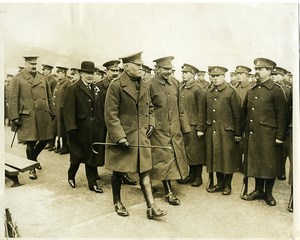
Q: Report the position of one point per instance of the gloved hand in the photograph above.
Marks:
(278, 141)
(123, 143)
(237, 138)
(199, 134)
(150, 131)
(73, 134)
(17, 123)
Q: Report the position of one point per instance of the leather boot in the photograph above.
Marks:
(227, 188)
(198, 176)
(116, 190)
(220, 184)
(170, 197)
(153, 212)
(290, 205)
(270, 200)
(127, 180)
(189, 178)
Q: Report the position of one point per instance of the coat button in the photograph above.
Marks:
(256, 97)
(214, 110)
(36, 110)
(140, 115)
(214, 131)
(251, 132)
(34, 98)
(46, 110)
(259, 86)
(215, 99)
(253, 109)
(214, 121)
(251, 120)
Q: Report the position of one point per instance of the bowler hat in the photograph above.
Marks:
(87, 66)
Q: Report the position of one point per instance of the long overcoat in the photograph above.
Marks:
(193, 101)
(35, 95)
(290, 135)
(264, 118)
(58, 98)
(243, 88)
(223, 122)
(128, 113)
(82, 113)
(171, 123)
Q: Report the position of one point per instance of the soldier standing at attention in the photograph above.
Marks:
(193, 100)
(31, 109)
(243, 84)
(201, 79)
(264, 117)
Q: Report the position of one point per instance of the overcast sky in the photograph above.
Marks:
(202, 34)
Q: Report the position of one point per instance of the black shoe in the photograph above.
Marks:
(96, 189)
(154, 212)
(197, 182)
(127, 180)
(64, 151)
(188, 179)
(216, 188)
(47, 146)
(32, 174)
(58, 150)
(254, 195)
(51, 148)
(72, 183)
(39, 167)
(227, 191)
(172, 199)
(270, 200)
(282, 177)
(121, 210)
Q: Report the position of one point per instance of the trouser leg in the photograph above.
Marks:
(91, 175)
(30, 150)
(220, 179)
(259, 184)
(40, 145)
(73, 170)
(269, 185)
(116, 186)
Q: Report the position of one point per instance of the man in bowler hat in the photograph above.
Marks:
(84, 125)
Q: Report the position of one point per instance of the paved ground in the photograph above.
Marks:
(49, 208)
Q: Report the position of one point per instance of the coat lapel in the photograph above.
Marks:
(143, 88)
(128, 86)
(84, 88)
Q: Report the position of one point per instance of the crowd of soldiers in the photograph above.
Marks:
(135, 119)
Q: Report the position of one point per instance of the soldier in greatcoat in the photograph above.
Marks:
(290, 207)
(264, 119)
(243, 85)
(193, 100)
(47, 69)
(31, 109)
(201, 79)
(130, 120)
(84, 125)
(171, 123)
(223, 130)
(58, 98)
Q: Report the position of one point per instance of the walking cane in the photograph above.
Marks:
(141, 146)
(12, 142)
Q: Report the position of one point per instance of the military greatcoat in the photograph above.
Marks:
(243, 88)
(171, 123)
(82, 115)
(193, 101)
(128, 113)
(35, 95)
(265, 118)
(58, 98)
(223, 122)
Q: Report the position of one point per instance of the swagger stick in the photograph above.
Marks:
(141, 146)
(12, 142)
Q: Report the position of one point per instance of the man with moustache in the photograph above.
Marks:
(265, 126)
(130, 121)
(31, 109)
(84, 125)
(171, 123)
(193, 100)
(223, 130)
(112, 72)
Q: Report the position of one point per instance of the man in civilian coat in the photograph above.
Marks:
(193, 100)
(265, 125)
(31, 109)
(130, 120)
(223, 130)
(84, 125)
(171, 123)
(58, 98)
(112, 72)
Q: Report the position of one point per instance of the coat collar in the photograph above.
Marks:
(33, 80)
(106, 82)
(243, 84)
(84, 87)
(128, 86)
(268, 84)
(161, 80)
(220, 87)
(189, 83)
(60, 81)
